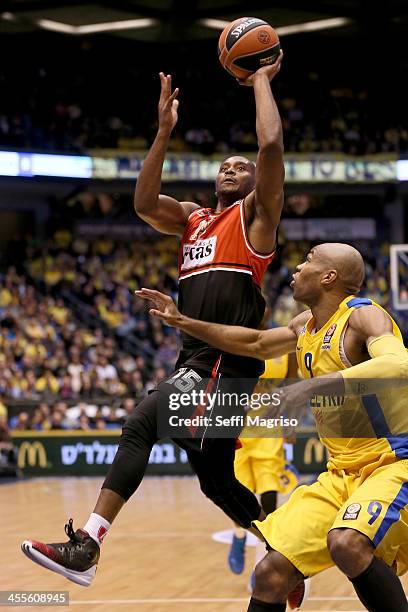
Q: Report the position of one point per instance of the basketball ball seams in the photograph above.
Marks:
(224, 33)
(244, 61)
(247, 44)
(230, 72)
(232, 38)
(221, 42)
(223, 56)
(239, 73)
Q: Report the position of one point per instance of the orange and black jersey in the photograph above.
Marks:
(220, 279)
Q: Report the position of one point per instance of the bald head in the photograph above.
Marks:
(347, 262)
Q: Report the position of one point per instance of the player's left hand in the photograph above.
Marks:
(270, 71)
(166, 309)
(293, 400)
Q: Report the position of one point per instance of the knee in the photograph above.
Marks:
(269, 577)
(140, 426)
(347, 547)
(275, 578)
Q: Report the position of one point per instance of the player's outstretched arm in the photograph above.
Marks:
(388, 355)
(261, 344)
(265, 203)
(387, 367)
(164, 213)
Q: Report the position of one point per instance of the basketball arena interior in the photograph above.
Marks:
(79, 350)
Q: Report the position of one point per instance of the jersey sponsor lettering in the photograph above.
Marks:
(237, 31)
(198, 254)
(327, 401)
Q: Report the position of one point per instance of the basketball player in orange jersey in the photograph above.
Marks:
(223, 257)
(355, 365)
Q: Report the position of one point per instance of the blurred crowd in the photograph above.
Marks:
(376, 286)
(75, 371)
(48, 354)
(83, 415)
(343, 126)
(80, 105)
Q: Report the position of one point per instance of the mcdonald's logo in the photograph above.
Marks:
(315, 452)
(32, 454)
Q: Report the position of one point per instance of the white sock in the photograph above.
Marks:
(97, 527)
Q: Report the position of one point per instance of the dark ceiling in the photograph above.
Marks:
(180, 19)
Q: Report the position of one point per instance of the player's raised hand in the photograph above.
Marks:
(168, 104)
(270, 71)
(293, 401)
(166, 310)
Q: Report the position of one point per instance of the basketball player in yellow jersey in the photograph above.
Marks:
(355, 516)
(260, 462)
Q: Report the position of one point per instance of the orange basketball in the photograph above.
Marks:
(247, 44)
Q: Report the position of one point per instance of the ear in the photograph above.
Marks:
(329, 277)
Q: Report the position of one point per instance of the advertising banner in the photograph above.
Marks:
(113, 165)
(305, 169)
(63, 453)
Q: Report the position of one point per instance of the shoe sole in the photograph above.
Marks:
(306, 594)
(82, 578)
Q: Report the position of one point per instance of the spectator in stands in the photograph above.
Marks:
(100, 424)
(65, 390)
(135, 384)
(57, 418)
(129, 405)
(127, 324)
(37, 420)
(75, 370)
(23, 421)
(47, 385)
(83, 422)
(104, 370)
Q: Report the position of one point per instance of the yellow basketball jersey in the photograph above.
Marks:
(276, 368)
(368, 423)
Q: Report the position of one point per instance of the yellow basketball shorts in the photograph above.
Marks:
(260, 466)
(375, 505)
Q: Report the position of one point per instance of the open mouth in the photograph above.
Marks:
(230, 181)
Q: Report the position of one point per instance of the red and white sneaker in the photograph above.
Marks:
(299, 595)
(76, 559)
